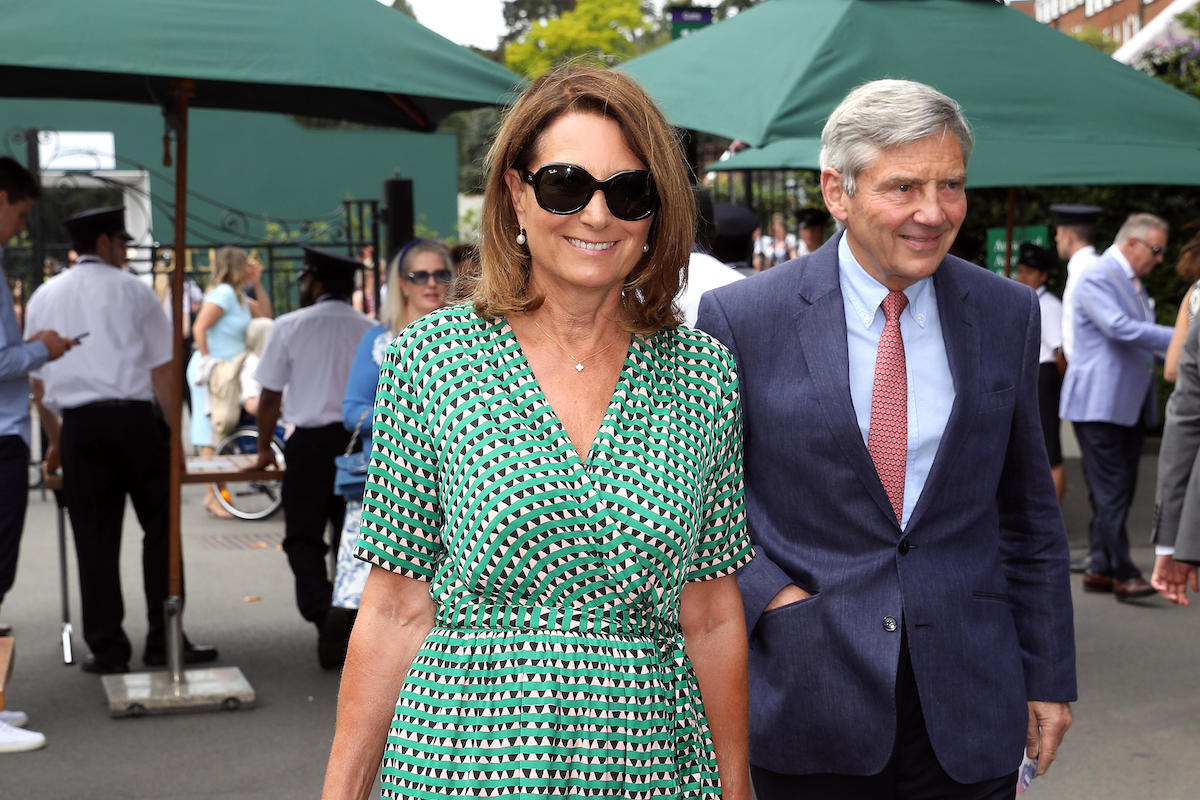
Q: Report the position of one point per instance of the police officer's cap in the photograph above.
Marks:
(87, 225)
(734, 222)
(327, 265)
(811, 217)
(1035, 257)
(1071, 214)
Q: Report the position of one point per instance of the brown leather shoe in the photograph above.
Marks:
(1132, 588)
(1095, 582)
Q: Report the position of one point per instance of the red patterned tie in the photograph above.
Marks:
(887, 438)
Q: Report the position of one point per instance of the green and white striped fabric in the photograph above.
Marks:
(556, 667)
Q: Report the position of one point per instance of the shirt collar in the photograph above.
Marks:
(1126, 267)
(865, 294)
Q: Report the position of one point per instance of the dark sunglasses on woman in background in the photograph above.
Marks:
(420, 276)
(567, 189)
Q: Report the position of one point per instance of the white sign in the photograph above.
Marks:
(77, 150)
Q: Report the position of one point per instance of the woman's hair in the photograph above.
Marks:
(503, 284)
(230, 267)
(257, 332)
(395, 304)
(1188, 265)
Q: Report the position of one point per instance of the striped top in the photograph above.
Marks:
(556, 666)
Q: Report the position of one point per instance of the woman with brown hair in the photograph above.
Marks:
(554, 503)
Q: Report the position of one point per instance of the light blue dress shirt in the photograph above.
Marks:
(17, 359)
(930, 384)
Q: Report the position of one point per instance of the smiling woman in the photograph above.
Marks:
(554, 507)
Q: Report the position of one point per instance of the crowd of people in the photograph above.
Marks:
(592, 551)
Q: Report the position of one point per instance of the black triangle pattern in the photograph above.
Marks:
(557, 667)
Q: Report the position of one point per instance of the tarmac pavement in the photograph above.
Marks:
(1136, 731)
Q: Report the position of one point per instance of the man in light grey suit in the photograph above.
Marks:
(1109, 394)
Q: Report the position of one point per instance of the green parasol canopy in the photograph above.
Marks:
(1045, 108)
(1023, 162)
(352, 59)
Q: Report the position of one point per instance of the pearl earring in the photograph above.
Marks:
(646, 247)
(521, 237)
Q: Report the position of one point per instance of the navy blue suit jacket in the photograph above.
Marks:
(980, 577)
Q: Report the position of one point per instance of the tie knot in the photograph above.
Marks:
(893, 304)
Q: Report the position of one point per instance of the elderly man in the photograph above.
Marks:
(1109, 394)
(909, 606)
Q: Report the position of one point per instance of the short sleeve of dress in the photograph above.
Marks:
(723, 543)
(401, 515)
(223, 296)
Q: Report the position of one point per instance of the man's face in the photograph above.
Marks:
(12, 216)
(1140, 250)
(1033, 278)
(1063, 240)
(906, 211)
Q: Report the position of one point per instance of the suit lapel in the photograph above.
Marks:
(821, 327)
(957, 314)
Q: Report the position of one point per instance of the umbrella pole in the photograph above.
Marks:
(136, 694)
(173, 611)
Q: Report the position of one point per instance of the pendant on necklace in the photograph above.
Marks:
(579, 366)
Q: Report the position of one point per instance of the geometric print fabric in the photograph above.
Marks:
(887, 436)
(556, 666)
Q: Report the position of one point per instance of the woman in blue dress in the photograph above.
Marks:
(220, 335)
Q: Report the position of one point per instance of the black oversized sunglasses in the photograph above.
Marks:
(420, 276)
(567, 189)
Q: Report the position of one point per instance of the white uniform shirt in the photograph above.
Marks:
(704, 273)
(309, 351)
(1077, 265)
(127, 335)
(1052, 325)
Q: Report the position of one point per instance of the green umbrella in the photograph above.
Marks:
(1044, 107)
(1021, 162)
(352, 59)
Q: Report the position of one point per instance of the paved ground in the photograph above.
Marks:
(1136, 732)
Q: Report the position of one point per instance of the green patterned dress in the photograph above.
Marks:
(556, 665)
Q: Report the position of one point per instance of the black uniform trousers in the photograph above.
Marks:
(912, 773)
(310, 508)
(14, 496)
(109, 450)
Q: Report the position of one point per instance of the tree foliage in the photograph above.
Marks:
(605, 31)
(404, 8)
(1177, 63)
(1096, 38)
(521, 15)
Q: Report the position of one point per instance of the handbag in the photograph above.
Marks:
(350, 476)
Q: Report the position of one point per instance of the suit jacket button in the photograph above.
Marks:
(889, 624)
(903, 548)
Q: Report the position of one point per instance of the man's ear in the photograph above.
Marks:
(516, 193)
(834, 193)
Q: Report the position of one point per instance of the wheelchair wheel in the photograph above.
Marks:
(250, 500)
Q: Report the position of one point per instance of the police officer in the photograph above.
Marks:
(1033, 269)
(111, 438)
(308, 355)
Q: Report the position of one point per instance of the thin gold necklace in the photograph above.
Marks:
(578, 361)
